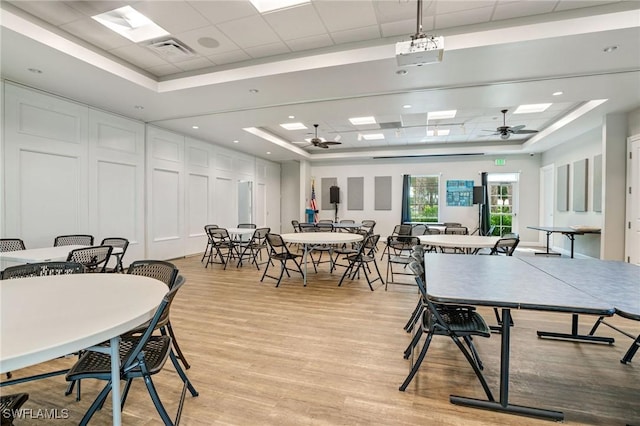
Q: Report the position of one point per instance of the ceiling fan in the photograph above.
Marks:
(321, 143)
(506, 131)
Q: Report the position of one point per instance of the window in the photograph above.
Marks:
(424, 194)
(501, 207)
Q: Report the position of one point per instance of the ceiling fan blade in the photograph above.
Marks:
(523, 131)
(322, 145)
(300, 142)
(331, 143)
(516, 129)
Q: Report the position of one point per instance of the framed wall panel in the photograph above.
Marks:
(382, 193)
(562, 190)
(325, 200)
(355, 193)
(597, 183)
(580, 184)
(197, 203)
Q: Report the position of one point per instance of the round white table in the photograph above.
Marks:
(43, 318)
(311, 239)
(45, 254)
(474, 242)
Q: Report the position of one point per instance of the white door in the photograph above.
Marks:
(632, 236)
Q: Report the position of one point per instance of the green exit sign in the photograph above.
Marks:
(500, 161)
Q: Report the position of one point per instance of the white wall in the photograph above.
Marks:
(68, 168)
(633, 122)
(586, 146)
(448, 168)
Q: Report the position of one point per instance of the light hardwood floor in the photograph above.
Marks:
(324, 355)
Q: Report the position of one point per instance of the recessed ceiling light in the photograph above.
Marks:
(253, 90)
(557, 93)
(372, 136)
(293, 126)
(268, 152)
(527, 109)
(402, 72)
(35, 70)
(407, 106)
(264, 6)
(195, 127)
(438, 132)
(359, 121)
(138, 107)
(292, 117)
(131, 24)
(610, 49)
(236, 141)
(208, 42)
(440, 115)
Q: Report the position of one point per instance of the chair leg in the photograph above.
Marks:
(153, 393)
(475, 367)
(595, 326)
(182, 374)
(415, 367)
(125, 393)
(174, 342)
(414, 316)
(413, 343)
(631, 352)
(97, 403)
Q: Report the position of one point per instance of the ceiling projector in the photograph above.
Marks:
(418, 51)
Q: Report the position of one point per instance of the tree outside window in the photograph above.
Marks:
(423, 198)
(501, 207)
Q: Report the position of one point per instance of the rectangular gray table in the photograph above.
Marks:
(506, 282)
(570, 233)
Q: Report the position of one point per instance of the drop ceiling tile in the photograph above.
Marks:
(249, 32)
(522, 8)
(175, 17)
(576, 4)
(219, 11)
(346, 15)
(266, 50)
(393, 11)
(309, 43)
(229, 57)
(296, 22)
(357, 34)
(447, 6)
(96, 7)
(197, 39)
(413, 119)
(466, 17)
(139, 56)
(164, 70)
(194, 64)
(406, 28)
(54, 12)
(95, 33)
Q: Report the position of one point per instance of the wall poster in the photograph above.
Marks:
(459, 193)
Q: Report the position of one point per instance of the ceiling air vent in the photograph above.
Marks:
(171, 48)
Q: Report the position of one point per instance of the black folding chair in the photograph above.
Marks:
(278, 251)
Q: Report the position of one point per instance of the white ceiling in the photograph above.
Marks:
(329, 60)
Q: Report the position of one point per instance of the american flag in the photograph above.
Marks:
(312, 204)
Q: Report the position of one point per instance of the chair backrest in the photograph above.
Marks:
(403, 229)
(307, 227)
(132, 359)
(119, 242)
(447, 224)
(95, 258)
(456, 230)
(324, 226)
(296, 225)
(219, 234)
(368, 225)
(432, 231)
(158, 269)
(277, 244)
(400, 243)
(325, 221)
(260, 235)
(419, 229)
(505, 246)
(347, 221)
(11, 244)
(247, 225)
(42, 269)
(208, 227)
(369, 244)
(511, 235)
(71, 240)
